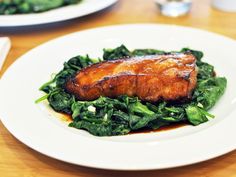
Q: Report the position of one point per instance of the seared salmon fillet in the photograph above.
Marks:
(152, 78)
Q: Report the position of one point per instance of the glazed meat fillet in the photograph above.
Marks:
(167, 77)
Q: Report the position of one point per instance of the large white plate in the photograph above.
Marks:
(38, 128)
(60, 14)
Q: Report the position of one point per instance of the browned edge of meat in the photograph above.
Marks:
(168, 77)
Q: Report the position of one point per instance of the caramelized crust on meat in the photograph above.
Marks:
(151, 78)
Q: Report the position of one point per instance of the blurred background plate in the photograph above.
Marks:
(86, 7)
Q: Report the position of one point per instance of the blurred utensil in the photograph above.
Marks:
(174, 8)
(5, 45)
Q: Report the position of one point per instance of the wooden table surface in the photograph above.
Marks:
(17, 160)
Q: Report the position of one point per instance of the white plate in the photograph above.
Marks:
(41, 130)
(86, 7)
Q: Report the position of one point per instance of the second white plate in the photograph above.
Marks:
(86, 7)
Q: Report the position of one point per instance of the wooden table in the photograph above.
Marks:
(17, 160)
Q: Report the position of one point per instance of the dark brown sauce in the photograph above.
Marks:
(68, 118)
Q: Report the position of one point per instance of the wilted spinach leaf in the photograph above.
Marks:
(197, 115)
(61, 101)
(119, 52)
(142, 52)
(196, 53)
(209, 91)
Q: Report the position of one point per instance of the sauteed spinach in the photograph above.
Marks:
(108, 117)
(8, 7)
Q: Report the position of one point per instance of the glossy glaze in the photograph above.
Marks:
(151, 78)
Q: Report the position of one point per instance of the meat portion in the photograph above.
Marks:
(151, 78)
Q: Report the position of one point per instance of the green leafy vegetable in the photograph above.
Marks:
(119, 52)
(141, 52)
(197, 115)
(101, 117)
(196, 53)
(140, 115)
(32, 6)
(61, 101)
(109, 117)
(209, 91)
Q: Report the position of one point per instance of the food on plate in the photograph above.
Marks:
(168, 77)
(8, 7)
(143, 89)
